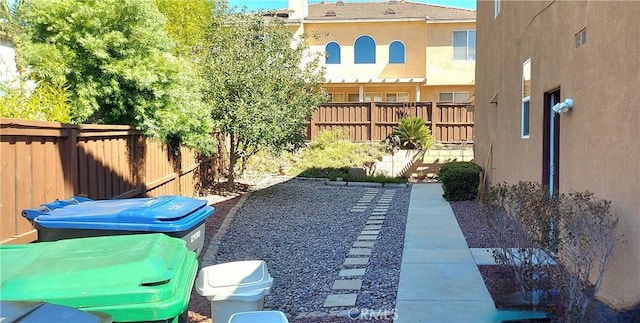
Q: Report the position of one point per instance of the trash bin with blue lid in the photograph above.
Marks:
(132, 278)
(176, 216)
(38, 312)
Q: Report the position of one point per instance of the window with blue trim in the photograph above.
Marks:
(365, 50)
(332, 53)
(396, 52)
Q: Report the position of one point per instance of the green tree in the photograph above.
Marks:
(187, 24)
(262, 84)
(45, 103)
(115, 57)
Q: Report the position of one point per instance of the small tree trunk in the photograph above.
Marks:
(245, 159)
(233, 158)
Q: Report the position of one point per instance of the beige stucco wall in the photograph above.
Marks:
(445, 75)
(599, 148)
(442, 69)
(411, 33)
(8, 70)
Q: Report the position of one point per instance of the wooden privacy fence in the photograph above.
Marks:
(44, 161)
(374, 121)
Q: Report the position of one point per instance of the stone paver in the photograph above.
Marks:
(359, 261)
(360, 251)
(354, 284)
(336, 300)
(367, 244)
(352, 272)
(484, 256)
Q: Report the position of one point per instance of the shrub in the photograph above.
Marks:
(333, 149)
(460, 180)
(577, 230)
(48, 102)
(413, 133)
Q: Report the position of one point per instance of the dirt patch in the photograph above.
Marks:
(500, 281)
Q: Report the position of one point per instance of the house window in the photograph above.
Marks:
(396, 52)
(526, 96)
(496, 8)
(397, 97)
(453, 97)
(372, 97)
(464, 45)
(336, 97)
(365, 50)
(353, 97)
(332, 53)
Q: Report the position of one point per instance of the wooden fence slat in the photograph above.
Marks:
(8, 182)
(374, 121)
(24, 192)
(44, 161)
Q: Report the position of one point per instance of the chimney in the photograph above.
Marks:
(299, 9)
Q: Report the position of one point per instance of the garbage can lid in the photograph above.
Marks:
(43, 209)
(240, 280)
(158, 214)
(115, 274)
(259, 316)
(36, 312)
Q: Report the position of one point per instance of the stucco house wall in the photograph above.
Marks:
(425, 30)
(598, 145)
(442, 68)
(8, 70)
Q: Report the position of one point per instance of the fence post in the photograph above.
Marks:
(312, 124)
(434, 132)
(70, 161)
(373, 109)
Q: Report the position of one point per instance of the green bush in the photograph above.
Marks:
(48, 102)
(333, 149)
(413, 133)
(460, 180)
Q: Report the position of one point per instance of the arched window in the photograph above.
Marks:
(365, 50)
(332, 52)
(396, 52)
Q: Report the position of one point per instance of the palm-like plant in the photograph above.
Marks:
(413, 133)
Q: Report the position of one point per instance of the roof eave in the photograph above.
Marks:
(357, 20)
(449, 21)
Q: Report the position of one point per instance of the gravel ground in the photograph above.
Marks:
(303, 230)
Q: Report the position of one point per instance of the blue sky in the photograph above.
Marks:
(279, 4)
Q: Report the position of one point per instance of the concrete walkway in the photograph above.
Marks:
(439, 279)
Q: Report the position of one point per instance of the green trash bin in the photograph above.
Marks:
(133, 278)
